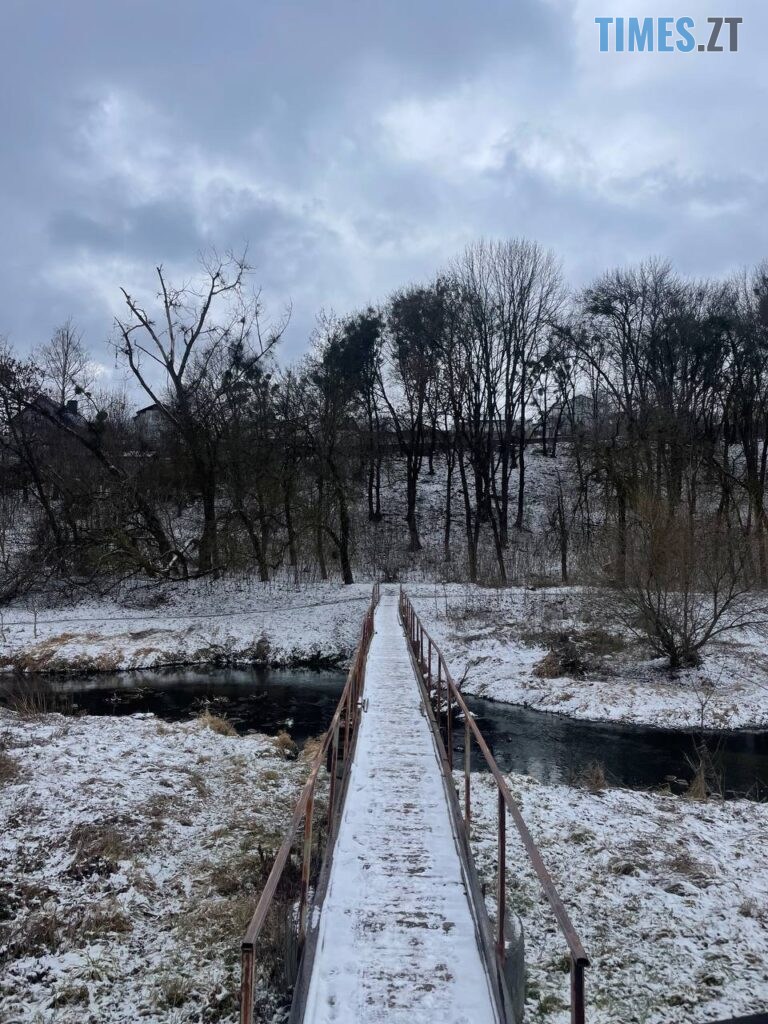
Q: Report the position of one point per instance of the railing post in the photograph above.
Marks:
(305, 863)
(334, 770)
(246, 985)
(467, 757)
(501, 895)
(439, 690)
(577, 991)
(346, 726)
(429, 664)
(449, 720)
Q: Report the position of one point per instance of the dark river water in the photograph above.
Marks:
(550, 747)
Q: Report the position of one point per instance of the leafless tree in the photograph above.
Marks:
(685, 583)
(67, 368)
(188, 353)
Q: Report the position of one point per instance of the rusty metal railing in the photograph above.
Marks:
(445, 696)
(338, 742)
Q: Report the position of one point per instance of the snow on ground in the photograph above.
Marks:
(229, 620)
(494, 639)
(669, 896)
(131, 853)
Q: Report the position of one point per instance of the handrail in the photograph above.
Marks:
(345, 718)
(419, 638)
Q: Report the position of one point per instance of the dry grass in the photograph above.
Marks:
(32, 697)
(312, 747)
(51, 928)
(593, 777)
(285, 745)
(548, 667)
(71, 994)
(98, 848)
(105, 918)
(9, 769)
(172, 991)
(216, 723)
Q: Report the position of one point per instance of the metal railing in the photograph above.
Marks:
(338, 743)
(445, 697)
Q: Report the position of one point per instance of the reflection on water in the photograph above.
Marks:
(262, 700)
(550, 747)
(554, 748)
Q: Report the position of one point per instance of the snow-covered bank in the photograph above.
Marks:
(200, 621)
(669, 897)
(131, 854)
(496, 640)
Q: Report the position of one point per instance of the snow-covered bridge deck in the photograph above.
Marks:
(397, 940)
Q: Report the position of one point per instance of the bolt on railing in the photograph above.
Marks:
(444, 694)
(337, 741)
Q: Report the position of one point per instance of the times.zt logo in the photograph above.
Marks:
(668, 35)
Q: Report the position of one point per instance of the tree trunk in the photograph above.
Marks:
(208, 555)
(413, 530)
(319, 534)
(621, 538)
(450, 457)
(344, 531)
(293, 558)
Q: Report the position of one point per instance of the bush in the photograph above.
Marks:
(686, 583)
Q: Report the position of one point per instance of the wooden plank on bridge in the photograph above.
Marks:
(397, 941)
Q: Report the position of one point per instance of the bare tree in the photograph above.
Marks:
(685, 583)
(529, 295)
(186, 357)
(67, 367)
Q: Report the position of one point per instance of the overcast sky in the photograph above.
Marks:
(357, 145)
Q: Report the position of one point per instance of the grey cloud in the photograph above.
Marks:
(139, 133)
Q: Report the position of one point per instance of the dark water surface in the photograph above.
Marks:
(550, 747)
(554, 748)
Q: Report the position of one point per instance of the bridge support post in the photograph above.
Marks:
(577, 992)
(467, 794)
(439, 691)
(246, 985)
(334, 770)
(501, 894)
(449, 722)
(305, 864)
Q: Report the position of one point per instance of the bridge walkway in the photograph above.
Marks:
(397, 941)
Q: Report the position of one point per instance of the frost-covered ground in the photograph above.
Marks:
(495, 640)
(669, 896)
(200, 621)
(131, 853)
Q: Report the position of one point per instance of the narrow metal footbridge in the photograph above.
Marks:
(373, 910)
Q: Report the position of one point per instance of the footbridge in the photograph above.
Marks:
(373, 910)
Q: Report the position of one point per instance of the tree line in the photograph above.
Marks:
(648, 389)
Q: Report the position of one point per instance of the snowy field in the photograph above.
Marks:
(496, 640)
(130, 862)
(669, 896)
(131, 855)
(227, 621)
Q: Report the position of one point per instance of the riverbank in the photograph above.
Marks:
(215, 622)
(132, 852)
(499, 644)
(668, 895)
(563, 650)
(131, 855)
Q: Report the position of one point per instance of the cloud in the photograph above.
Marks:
(355, 147)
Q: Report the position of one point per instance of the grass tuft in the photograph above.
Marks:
(216, 723)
